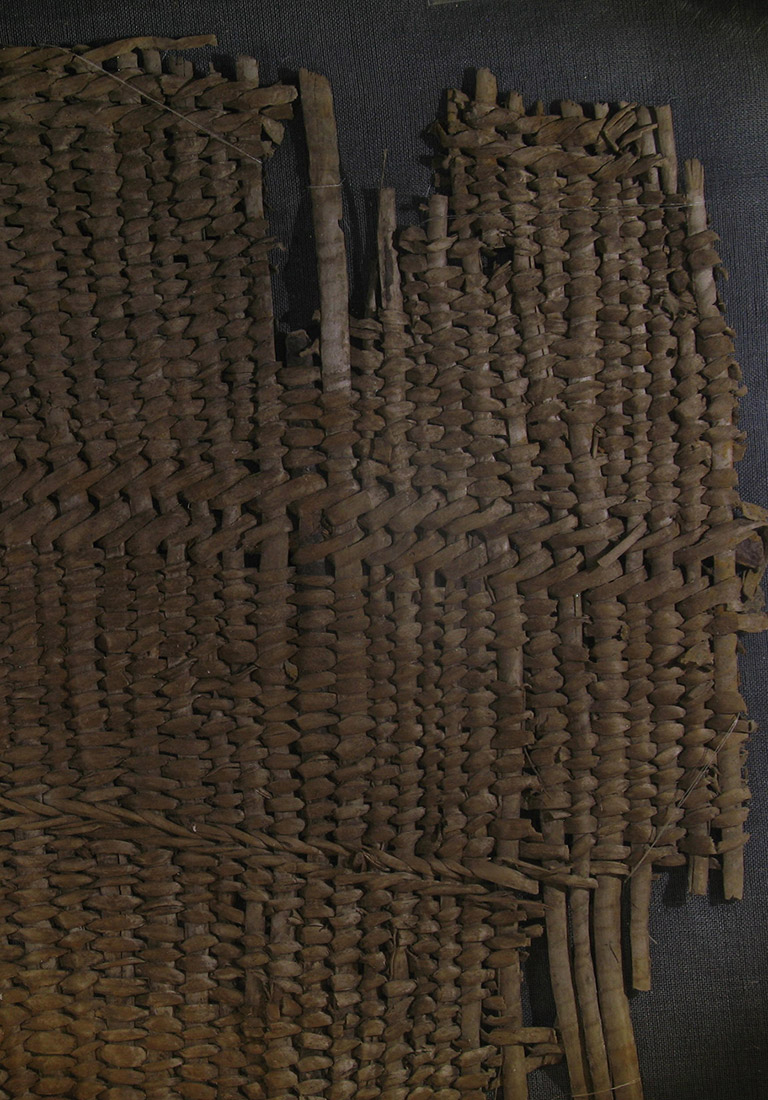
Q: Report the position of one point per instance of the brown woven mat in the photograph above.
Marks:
(330, 680)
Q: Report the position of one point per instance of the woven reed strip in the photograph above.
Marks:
(387, 452)
(697, 668)
(641, 774)
(375, 1051)
(511, 733)
(510, 730)
(604, 612)
(406, 623)
(494, 491)
(437, 394)
(484, 373)
(595, 1054)
(578, 309)
(343, 729)
(716, 347)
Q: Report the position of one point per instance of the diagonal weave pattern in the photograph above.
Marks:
(327, 676)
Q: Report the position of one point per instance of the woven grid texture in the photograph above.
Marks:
(330, 679)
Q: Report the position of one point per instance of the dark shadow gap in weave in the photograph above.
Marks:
(675, 887)
(294, 273)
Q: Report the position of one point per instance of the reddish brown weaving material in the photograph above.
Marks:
(331, 679)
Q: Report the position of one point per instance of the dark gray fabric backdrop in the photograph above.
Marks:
(702, 1031)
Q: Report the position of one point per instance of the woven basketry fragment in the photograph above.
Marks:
(331, 679)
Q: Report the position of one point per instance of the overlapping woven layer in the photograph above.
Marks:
(330, 679)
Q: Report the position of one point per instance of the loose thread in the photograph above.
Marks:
(156, 102)
(314, 187)
(681, 801)
(383, 169)
(613, 1088)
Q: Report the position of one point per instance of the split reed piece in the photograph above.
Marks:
(332, 678)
